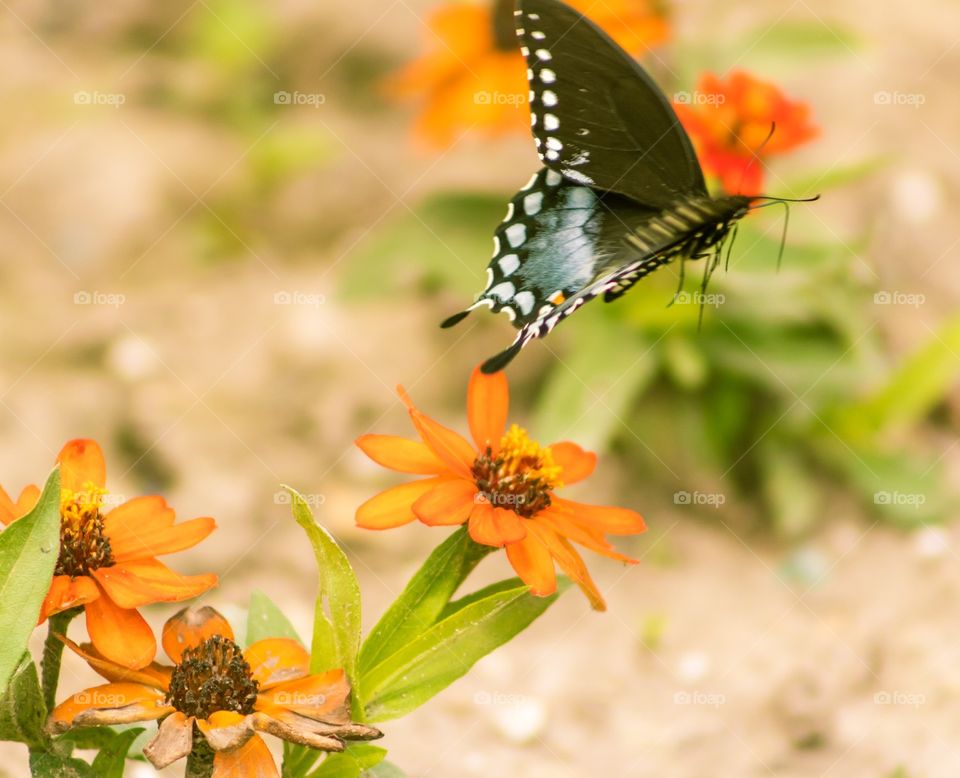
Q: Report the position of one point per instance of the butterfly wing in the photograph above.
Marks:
(597, 117)
(556, 239)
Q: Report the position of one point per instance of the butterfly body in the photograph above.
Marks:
(621, 192)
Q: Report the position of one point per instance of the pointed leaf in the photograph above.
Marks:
(447, 650)
(421, 602)
(266, 620)
(28, 555)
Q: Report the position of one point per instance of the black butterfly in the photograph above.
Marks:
(621, 192)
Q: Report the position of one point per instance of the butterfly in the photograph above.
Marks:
(621, 191)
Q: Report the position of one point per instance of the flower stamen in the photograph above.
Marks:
(83, 545)
(213, 676)
(520, 476)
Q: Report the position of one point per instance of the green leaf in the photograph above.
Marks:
(446, 651)
(423, 599)
(266, 620)
(86, 738)
(49, 764)
(480, 594)
(385, 770)
(110, 762)
(336, 638)
(28, 555)
(22, 712)
(350, 763)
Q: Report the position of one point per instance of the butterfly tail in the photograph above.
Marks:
(452, 321)
(498, 362)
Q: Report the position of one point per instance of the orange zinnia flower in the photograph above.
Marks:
(730, 120)
(474, 76)
(503, 486)
(107, 562)
(230, 694)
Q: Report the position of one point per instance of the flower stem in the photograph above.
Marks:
(53, 653)
(200, 759)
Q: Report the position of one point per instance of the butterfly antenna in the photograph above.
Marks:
(683, 267)
(730, 242)
(783, 235)
(708, 269)
(755, 156)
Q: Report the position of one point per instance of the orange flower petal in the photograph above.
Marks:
(173, 741)
(570, 562)
(81, 462)
(251, 760)
(111, 703)
(226, 730)
(8, 511)
(144, 581)
(276, 660)
(449, 503)
(119, 634)
(607, 519)
(189, 627)
(153, 674)
(495, 526)
(312, 696)
(569, 527)
(27, 499)
(400, 454)
(393, 507)
(533, 563)
(144, 527)
(451, 447)
(65, 593)
(577, 464)
(488, 402)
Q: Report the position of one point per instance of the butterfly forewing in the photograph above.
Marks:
(597, 117)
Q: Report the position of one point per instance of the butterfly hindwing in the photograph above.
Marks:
(597, 117)
(556, 239)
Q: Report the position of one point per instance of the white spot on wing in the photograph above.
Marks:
(533, 119)
(543, 55)
(537, 35)
(552, 155)
(489, 278)
(535, 17)
(554, 143)
(531, 182)
(504, 291)
(511, 314)
(549, 98)
(553, 178)
(525, 300)
(509, 263)
(516, 234)
(547, 76)
(525, 51)
(496, 245)
(532, 203)
(576, 175)
(550, 122)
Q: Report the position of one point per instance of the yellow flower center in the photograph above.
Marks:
(83, 545)
(213, 676)
(520, 476)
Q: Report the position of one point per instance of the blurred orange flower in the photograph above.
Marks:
(107, 562)
(473, 78)
(729, 120)
(230, 695)
(503, 486)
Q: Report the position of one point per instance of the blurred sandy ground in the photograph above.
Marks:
(721, 654)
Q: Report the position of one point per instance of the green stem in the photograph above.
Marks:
(53, 653)
(200, 759)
